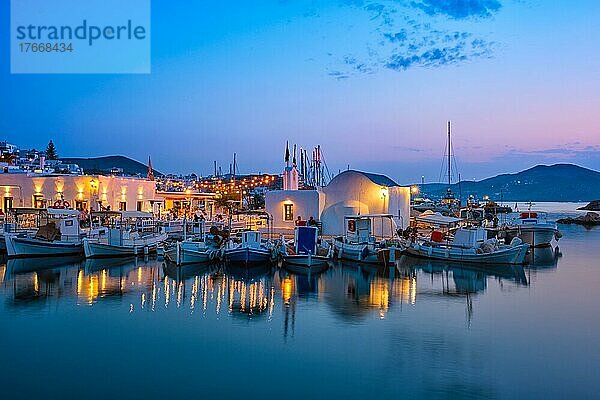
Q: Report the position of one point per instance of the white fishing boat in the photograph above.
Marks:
(129, 233)
(250, 250)
(532, 227)
(307, 256)
(370, 238)
(199, 248)
(469, 245)
(57, 234)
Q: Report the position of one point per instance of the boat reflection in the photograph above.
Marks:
(187, 271)
(40, 279)
(112, 278)
(544, 257)
(467, 277)
(249, 290)
(25, 265)
(354, 290)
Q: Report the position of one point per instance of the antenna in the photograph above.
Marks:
(449, 158)
(234, 165)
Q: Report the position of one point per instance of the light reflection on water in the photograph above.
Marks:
(426, 329)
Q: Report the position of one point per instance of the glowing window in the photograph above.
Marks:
(288, 212)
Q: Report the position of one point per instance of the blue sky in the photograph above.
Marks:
(373, 82)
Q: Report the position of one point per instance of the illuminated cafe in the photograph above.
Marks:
(80, 192)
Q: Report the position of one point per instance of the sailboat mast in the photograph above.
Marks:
(449, 158)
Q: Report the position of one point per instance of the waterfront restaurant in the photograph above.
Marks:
(349, 193)
(81, 192)
(185, 203)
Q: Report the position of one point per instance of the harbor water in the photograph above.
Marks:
(139, 328)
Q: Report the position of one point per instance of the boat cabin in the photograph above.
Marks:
(122, 225)
(306, 239)
(48, 221)
(469, 237)
(526, 218)
(251, 239)
(368, 228)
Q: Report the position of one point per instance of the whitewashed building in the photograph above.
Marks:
(79, 191)
(349, 193)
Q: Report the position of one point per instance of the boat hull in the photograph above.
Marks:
(30, 247)
(96, 250)
(248, 255)
(535, 236)
(366, 253)
(511, 255)
(190, 256)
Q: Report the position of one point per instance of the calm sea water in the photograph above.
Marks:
(140, 329)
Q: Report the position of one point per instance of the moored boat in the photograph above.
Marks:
(307, 256)
(200, 247)
(470, 245)
(250, 250)
(359, 242)
(532, 227)
(131, 233)
(58, 234)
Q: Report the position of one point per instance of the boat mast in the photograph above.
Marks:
(449, 158)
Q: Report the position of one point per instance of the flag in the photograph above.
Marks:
(287, 152)
(150, 171)
(294, 160)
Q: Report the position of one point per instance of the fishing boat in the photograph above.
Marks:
(129, 233)
(57, 234)
(250, 250)
(532, 227)
(361, 243)
(468, 245)
(199, 248)
(307, 256)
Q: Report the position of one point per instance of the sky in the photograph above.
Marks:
(373, 82)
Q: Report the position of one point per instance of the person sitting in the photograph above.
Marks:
(300, 222)
(312, 222)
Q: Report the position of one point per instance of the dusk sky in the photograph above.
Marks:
(372, 82)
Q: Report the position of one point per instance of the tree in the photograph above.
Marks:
(8, 158)
(51, 153)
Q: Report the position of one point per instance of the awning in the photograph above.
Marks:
(435, 218)
(136, 214)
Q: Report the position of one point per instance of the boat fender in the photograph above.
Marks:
(61, 204)
(516, 242)
(364, 253)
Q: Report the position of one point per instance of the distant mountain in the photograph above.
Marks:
(559, 182)
(103, 165)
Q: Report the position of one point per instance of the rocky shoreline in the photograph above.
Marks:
(589, 219)
(592, 206)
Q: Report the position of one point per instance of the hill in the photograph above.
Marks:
(103, 165)
(559, 182)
